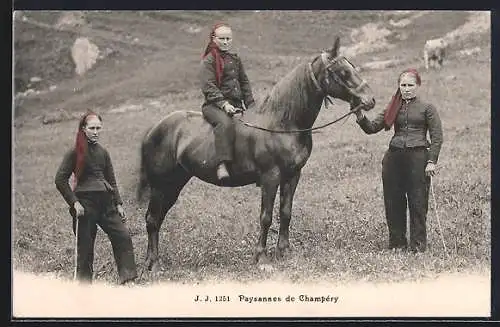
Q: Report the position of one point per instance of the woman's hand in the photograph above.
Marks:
(121, 212)
(78, 209)
(359, 115)
(430, 169)
(229, 109)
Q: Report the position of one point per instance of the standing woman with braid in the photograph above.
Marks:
(410, 160)
(95, 200)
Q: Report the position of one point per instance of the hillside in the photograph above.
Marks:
(154, 54)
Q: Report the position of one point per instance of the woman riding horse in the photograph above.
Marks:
(182, 146)
(225, 86)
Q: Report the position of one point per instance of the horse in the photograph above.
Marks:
(273, 143)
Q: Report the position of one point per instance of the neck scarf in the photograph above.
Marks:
(213, 49)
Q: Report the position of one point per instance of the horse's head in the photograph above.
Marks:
(338, 78)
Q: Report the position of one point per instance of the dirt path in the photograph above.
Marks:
(453, 295)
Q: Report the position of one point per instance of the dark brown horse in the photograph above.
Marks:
(181, 146)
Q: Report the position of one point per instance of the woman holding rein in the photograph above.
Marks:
(409, 162)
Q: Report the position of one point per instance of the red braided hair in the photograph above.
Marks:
(81, 145)
(393, 107)
(215, 51)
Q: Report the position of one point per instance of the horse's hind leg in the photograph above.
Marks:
(154, 218)
(269, 187)
(162, 199)
(287, 190)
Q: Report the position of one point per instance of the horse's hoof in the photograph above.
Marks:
(155, 267)
(260, 257)
(266, 267)
(151, 265)
(282, 253)
(142, 270)
(148, 264)
(255, 259)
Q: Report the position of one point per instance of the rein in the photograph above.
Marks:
(301, 130)
(326, 100)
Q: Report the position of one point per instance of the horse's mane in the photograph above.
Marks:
(287, 99)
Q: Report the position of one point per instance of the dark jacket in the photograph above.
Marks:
(97, 175)
(413, 121)
(234, 87)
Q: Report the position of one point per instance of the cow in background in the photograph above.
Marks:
(434, 53)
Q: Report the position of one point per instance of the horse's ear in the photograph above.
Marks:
(334, 51)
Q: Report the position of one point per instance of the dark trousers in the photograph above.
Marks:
(403, 176)
(223, 131)
(100, 210)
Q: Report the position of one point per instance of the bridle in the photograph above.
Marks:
(337, 79)
(321, 90)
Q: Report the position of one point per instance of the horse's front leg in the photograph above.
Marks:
(269, 187)
(287, 191)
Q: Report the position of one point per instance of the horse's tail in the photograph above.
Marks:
(151, 144)
(143, 175)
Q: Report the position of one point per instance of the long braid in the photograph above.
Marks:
(81, 146)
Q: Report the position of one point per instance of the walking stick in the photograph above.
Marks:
(73, 214)
(437, 218)
(76, 249)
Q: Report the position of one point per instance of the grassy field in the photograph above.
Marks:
(338, 229)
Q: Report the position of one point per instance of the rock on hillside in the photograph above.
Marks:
(84, 54)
